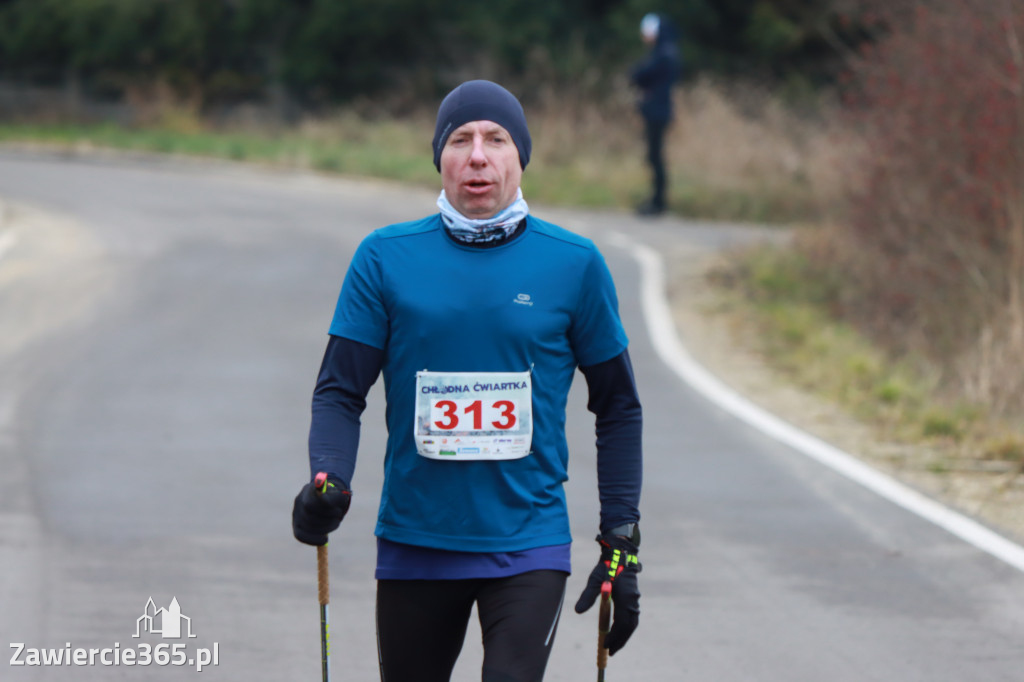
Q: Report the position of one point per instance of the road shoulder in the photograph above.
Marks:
(724, 346)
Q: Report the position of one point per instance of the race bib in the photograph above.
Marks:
(473, 415)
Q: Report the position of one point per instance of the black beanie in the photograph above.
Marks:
(482, 101)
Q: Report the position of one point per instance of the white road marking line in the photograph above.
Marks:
(661, 328)
(7, 241)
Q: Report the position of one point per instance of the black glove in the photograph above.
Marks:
(315, 514)
(619, 565)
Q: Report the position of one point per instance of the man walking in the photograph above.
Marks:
(478, 317)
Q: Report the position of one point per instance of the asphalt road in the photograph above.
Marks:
(161, 326)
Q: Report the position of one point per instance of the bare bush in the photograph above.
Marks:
(936, 216)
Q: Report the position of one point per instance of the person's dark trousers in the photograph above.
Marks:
(421, 625)
(656, 159)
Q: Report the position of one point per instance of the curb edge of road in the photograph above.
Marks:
(660, 325)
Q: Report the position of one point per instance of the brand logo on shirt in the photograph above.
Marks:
(523, 299)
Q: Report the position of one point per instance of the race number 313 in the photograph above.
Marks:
(473, 415)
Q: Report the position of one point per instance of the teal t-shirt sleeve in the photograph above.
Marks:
(361, 314)
(596, 333)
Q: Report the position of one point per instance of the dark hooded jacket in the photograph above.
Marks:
(656, 74)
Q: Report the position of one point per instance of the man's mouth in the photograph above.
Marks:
(478, 186)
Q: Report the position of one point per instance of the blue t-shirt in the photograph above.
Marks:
(544, 303)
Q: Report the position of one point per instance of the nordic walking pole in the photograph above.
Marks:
(324, 589)
(603, 624)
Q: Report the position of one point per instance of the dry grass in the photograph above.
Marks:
(736, 154)
(749, 142)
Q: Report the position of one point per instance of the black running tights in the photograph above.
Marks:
(421, 625)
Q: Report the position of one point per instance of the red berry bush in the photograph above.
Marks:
(933, 236)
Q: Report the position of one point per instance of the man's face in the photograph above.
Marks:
(480, 169)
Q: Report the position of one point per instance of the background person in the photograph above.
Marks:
(655, 76)
(478, 318)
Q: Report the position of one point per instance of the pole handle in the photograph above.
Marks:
(322, 576)
(323, 590)
(604, 620)
(322, 571)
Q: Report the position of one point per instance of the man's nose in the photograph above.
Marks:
(478, 157)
